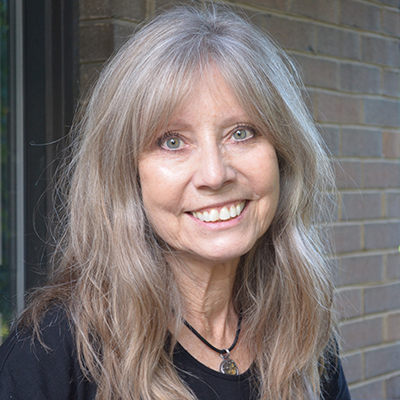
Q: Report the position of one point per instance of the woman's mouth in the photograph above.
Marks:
(224, 214)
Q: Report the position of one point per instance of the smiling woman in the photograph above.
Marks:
(216, 163)
(190, 262)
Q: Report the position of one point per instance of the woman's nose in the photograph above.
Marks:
(213, 169)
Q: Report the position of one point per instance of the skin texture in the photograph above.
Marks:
(209, 156)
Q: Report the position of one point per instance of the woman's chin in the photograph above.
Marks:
(217, 255)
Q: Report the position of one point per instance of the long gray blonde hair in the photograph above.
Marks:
(110, 271)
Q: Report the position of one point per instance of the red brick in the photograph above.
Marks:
(361, 205)
(319, 72)
(368, 391)
(382, 298)
(122, 32)
(391, 144)
(393, 204)
(96, 41)
(338, 108)
(308, 97)
(89, 9)
(352, 367)
(166, 4)
(128, 9)
(360, 15)
(382, 235)
(361, 269)
(349, 174)
(88, 75)
(393, 387)
(394, 3)
(360, 78)
(381, 361)
(334, 264)
(381, 174)
(347, 237)
(291, 34)
(391, 22)
(393, 327)
(339, 43)
(266, 4)
(348, 303)
(331, 138)
(393, 265)
(324, 10)
(383, 112)
(362, 333)
(391, 83)
(361, 142)
(384, 51)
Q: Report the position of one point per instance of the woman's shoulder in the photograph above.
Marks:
(334, 384)
(43, 369)
(55, 339)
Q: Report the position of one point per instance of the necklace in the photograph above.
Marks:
(227, 366)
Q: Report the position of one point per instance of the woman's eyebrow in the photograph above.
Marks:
(235, 119)
(178, 125)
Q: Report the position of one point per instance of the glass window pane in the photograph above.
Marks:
(7, 180)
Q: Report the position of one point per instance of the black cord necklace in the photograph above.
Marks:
(227, 366)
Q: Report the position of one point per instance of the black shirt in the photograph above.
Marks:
(28, 371)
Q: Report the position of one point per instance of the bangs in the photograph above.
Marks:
(159, 68)
(170, 70)
(159, 101)
(171, 85)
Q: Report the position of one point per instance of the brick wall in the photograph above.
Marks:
(104, 26)
(349, 53)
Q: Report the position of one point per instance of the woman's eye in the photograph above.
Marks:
(172, 143)
(240, 134)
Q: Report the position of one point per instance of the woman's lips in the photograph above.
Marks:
(224, 214)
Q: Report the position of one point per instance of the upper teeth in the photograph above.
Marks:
(223, 215)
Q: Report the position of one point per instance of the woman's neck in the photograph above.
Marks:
(207, 291)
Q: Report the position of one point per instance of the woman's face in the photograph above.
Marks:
(210, 181)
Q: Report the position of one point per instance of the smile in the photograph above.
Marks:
(223, 215)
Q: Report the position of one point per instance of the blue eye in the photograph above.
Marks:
(240, 134)
(173, 143)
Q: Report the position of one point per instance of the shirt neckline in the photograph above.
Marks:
(180, 351)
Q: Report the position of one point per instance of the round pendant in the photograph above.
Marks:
(228, 367)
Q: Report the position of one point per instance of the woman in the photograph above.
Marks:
(190, 264)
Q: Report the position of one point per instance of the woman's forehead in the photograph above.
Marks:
(167, 107)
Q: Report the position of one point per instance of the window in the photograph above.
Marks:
(39, 87)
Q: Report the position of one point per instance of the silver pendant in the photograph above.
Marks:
(228, 366)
